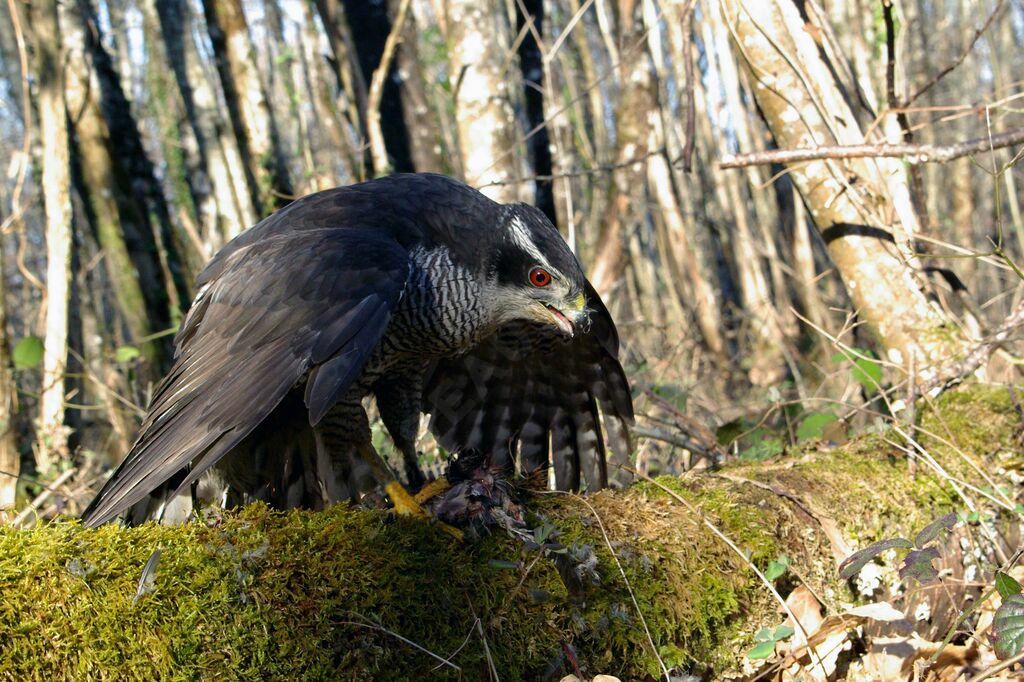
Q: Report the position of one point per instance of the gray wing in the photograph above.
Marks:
(275, 309)
(526, 392)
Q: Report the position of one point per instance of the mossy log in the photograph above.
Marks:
(339, 594)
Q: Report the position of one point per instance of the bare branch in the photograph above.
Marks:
(914, 153)
(960, 59)
(381, 165)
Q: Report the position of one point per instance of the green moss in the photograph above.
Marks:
(265, 595)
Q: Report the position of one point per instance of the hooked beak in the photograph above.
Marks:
(566, 321)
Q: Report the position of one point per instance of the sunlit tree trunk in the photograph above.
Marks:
(217, 147)
(632, 132)
(246, 96)
(337, 159)
(849, 201)
(484, 82)
(56, 185)
(118, 223)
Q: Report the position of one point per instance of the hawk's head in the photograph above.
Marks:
(538, 277)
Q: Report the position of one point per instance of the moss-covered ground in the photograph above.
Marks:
(301, 595)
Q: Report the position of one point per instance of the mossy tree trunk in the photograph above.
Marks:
(330, 594)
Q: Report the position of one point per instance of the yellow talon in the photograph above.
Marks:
(432, 489)
(407, 505)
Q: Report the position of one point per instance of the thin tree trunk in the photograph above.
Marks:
(251, 115)
(346, 69)
(632, 128)
(484, 78)
(51, 433)
(117, 221)
(420, 119)
(883, 285)
(10, 458)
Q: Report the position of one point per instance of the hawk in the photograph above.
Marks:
(414, 289)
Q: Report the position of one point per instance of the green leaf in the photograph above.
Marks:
(1006, 585)
(28, 352)
(813, 425)
(852, 564)
(973, 517)
(782, 632)
(764, 635)
(932, 530)
(777, 567)
(125, 354)
(866, 370)
(764, 449)
(762, 651)
(918, 565)
(1008, 627)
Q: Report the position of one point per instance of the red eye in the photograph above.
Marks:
(539, 277)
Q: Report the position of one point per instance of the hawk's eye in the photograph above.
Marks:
(539, 277)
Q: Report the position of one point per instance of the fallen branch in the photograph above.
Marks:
(913, 153)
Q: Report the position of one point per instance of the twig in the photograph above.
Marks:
(997, 668)
(491, 669)
(381, 628)
(42, 497)
(691, 113)
(914, 153)
(960, 59)
(956, 371)
(377, 148)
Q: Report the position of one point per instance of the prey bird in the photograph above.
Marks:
(413, 289)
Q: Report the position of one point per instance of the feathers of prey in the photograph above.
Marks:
(414, 289)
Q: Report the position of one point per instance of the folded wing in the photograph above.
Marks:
(273, 310)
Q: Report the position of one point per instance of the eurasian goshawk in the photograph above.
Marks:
(414, 289)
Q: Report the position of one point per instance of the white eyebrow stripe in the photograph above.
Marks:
(521, 236)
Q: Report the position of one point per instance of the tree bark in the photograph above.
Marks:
(10, 457)
(251, 115)
(119, 224)
(217, 147)
(51, 434)
(850, 200)
(484, 80)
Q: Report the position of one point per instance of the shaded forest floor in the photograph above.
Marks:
(345, 592)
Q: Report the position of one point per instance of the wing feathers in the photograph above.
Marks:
(525, 390)
(275, 309)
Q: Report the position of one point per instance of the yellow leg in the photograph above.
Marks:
(405, 503)
(432, 489)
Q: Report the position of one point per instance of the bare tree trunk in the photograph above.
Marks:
(51, 433)
(848, 200)
(10, 458)
(251, 115)
(632, 132)
(118, 223)
(346, 69)
(217, 147)
(420, 124)
(484, 80)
